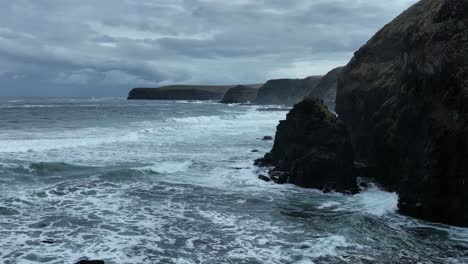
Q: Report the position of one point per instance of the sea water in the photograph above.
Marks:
(174, 182)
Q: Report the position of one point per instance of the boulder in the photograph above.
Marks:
(404, 99)
(312, 149)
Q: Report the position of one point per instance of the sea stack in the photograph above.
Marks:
(404, 100)
(312, 149)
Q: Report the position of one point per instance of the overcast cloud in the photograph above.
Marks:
(105, 47)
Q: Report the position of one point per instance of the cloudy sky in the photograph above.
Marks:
(105, 47)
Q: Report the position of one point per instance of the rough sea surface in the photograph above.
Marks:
(173, 182)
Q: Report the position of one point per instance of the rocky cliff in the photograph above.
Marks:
(326, 88)
(240, 94)
(179, 92)
(312, 149)
(285, 91)
(404, 99)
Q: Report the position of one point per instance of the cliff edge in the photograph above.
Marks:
(404, 100)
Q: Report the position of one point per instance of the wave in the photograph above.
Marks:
(36, 145)
(373, 201)
(167, 167)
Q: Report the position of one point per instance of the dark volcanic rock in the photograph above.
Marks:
(312, 149)
(240, 94)
(267, 138)
(264, 178)
(285, 91)
(404, 99)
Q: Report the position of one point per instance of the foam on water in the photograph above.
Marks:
(168, 167)
(165, 182)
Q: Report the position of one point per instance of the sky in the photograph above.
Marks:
(104, 48)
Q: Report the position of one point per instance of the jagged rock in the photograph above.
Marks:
(267, 138)
(285, 91)
(264, 178)
(312, 149)
(404, 99)
(240, 94)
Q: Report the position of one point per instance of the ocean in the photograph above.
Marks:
(174, 182)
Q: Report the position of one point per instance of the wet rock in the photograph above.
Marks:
(267, 138)
(90, 262)
(312, 150)
(254, 151)
(404, 98)
(264, 178)
(49, 241)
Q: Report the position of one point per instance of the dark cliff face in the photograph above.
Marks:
(240, 94)
(179, 92)
(313, 150)
(326, 88)
(285, 91)
(404, 99)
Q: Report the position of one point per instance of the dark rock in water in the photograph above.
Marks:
(240, 94)
(404, 99)
(254, 151)
(312, 149)
(90, 262)
(49, 241)
(267, 138)
(279, 177)
(285, 91)
(8, 211)
(264, 178)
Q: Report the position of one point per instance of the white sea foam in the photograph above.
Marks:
(32, 145)
(376, 201)
(168, 167)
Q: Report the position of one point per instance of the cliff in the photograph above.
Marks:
(179, 92)
(312, 149)
(404, 100)
(326, 88)
(285, 91)
(240, 94)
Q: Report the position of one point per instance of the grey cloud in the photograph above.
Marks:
(91, 48)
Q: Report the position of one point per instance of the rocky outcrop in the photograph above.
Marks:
(404, 99)
(326, 88)
(240, 94)
(285, 91)
(312, 149)
(179, 92)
